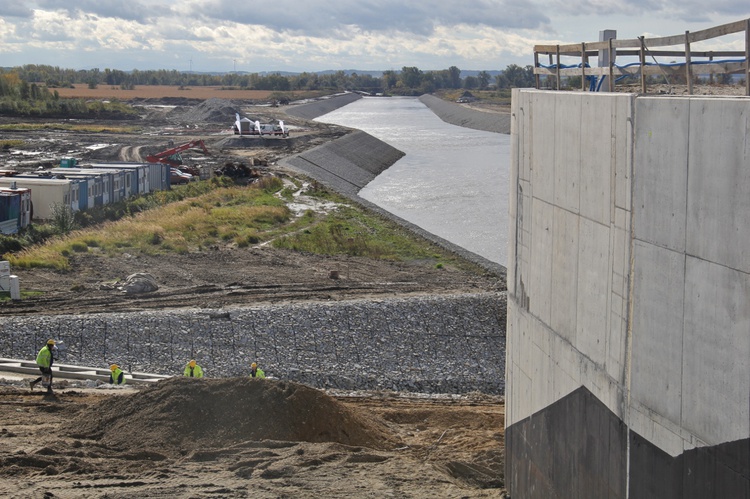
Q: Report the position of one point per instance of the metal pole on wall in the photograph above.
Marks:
(643, 64)
(611, 67)
(688, 67)
(557, 51)
(747, 57)
(584, 61)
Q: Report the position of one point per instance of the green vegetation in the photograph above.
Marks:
(409, 80)
(18, 97)
(192, 217)
(15, 144)
(5, 295)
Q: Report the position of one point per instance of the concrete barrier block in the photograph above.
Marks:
(660, 171)
(541, 154)
(15, 288)
(716, 358)
(658, 309)
(718, 184)
(592, 325)
(540, 260)
(567, 147)
(564, 277)
(597, 167)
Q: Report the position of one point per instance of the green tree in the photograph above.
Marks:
(483, 79)
(411, 77)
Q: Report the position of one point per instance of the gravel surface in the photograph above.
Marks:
(441, 344)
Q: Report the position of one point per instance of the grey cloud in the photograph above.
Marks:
(14, 8)
(322, 17)
(687, 11)
(129, 10)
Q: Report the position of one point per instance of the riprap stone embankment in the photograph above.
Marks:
(430, 344)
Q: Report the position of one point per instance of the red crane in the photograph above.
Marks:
(172, 156)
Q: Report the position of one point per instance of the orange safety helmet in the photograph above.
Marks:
(192, 363)
(113, 367)
(50, 342)
(253, 365)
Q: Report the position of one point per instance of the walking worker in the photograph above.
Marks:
(256, 372)
(116, 375)
(44, 359)
(193, 370)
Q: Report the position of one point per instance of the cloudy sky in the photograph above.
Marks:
(315, 35)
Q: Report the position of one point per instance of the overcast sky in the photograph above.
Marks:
(315, 35)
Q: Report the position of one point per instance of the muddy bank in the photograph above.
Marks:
(456, 114)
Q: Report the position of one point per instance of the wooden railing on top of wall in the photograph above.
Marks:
(643, 49)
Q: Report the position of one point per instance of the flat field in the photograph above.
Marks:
(82, 91)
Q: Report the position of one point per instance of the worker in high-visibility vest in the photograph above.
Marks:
(256, 372)
(116, 375)
(193, 370)
(44, 359)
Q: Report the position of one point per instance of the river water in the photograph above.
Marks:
(452, 182)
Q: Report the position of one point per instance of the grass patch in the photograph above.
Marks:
(12, 143)
(352, 231)
(202, 214)
(223, 214)
(5, 295)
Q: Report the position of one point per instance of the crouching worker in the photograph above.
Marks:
(256, 372)
(44, 359)
(116, 375)
(193, 370)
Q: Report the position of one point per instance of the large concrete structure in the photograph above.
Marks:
(628, 342)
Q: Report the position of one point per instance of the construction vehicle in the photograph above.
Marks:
(173, 158)
(246, 126)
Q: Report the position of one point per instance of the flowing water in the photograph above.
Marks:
(453, 181)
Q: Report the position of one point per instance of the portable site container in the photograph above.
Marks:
(24, 207)
(114, 182)
(10, 211)
(158, 176)
(98, 181)
(45, 193)
(139, 179)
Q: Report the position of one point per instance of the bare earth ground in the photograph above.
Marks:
(247, 438)
(120, 446)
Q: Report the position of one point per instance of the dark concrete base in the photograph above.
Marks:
(577, 447)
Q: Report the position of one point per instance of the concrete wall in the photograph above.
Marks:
(629, 296)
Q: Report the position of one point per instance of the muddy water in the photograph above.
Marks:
(453, 181)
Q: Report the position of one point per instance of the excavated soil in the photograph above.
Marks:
(247, 438)
(183, 415)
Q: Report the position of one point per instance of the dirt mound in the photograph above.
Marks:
(209, 111)
(180, 415)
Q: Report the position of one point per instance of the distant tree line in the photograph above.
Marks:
(18, 97)
(30, 90)
(407, 81)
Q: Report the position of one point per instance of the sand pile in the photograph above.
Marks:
(181, 414)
